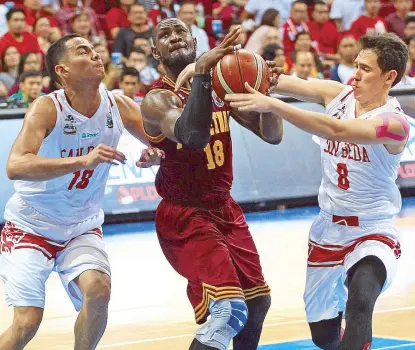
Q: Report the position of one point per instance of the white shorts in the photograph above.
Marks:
(328, 263)
(26, 262)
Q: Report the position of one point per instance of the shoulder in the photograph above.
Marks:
(157, 100)
(42, 112)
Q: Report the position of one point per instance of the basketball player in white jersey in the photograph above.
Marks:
(61, 160)
(353, 245)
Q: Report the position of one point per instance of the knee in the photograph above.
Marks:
(97, 292)
(359, 302)
(26, 322)
(228, 318)
(258, 309)
(326, 334)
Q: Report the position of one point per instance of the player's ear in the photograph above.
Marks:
(391, 76)
(195, 42)
(61, 70)
(155, 53)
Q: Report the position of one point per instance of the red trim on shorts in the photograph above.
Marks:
(345, 220)
(56, 96)
(12, 238)
(345, 96)
(320, 255)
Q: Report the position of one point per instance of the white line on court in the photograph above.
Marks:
(396, 346)
(150, 340)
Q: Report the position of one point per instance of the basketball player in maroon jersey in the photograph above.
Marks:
(201, 230)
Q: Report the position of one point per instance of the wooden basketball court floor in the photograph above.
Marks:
(149, 308)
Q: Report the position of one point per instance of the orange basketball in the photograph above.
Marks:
(233, 70)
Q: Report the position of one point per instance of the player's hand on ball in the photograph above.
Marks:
(149, 157)
(275, 74)
(103, 154)
(252, 102)
(209, 59)
(186, 74)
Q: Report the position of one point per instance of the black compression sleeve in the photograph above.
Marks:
(193, 126)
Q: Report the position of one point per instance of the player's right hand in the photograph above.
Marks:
(209, 59)
(102, 154)
(275, 74)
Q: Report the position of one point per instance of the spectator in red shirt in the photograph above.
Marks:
(117, 17)
(396, 21)
(370, 23)
(163, 9)
(68, 11)
(33, 10)
(223, 10)
(295, 23)
(324, 33)
(17, 36)
(409, 29)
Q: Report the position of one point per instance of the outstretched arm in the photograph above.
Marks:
(25, 164)
(318, 91)
(390, 128)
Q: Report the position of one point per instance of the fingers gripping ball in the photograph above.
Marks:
(233, 70)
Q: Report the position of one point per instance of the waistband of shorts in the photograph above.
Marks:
(203, 204)
(355, 220)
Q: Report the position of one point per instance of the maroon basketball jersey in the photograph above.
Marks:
(191, 176)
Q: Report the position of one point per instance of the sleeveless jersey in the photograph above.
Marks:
(69, 205)
(196, 177)
(358, 180)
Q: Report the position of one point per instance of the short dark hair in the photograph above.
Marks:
(186, 3)
(137, 49)
(268, 53)
(55, 54)
(136, 4)
(23, 59)
(319, 2)
(409, 19)
(408, 39)
(154, 33)
(29, 74)
(129, 71)
(392, 52)
(269, 16)
(298, 2)
(12, 11)
(297, 36)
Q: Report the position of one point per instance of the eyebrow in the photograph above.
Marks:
(362, 64)
(84, 46)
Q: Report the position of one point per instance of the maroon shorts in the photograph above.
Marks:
(214, 250)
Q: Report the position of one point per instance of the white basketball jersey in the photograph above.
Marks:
(358, 180)
(69, 205)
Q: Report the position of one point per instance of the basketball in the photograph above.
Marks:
(233, 70)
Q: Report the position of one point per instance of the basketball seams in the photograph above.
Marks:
(239, 70)
(260, 73)
(221, 79)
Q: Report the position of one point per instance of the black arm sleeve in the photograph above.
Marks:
(192, 128)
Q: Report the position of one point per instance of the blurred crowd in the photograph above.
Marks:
(311, 39)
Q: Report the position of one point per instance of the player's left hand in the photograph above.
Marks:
(149, 157)
(275, 74)
(185, 75)
(252, 102)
